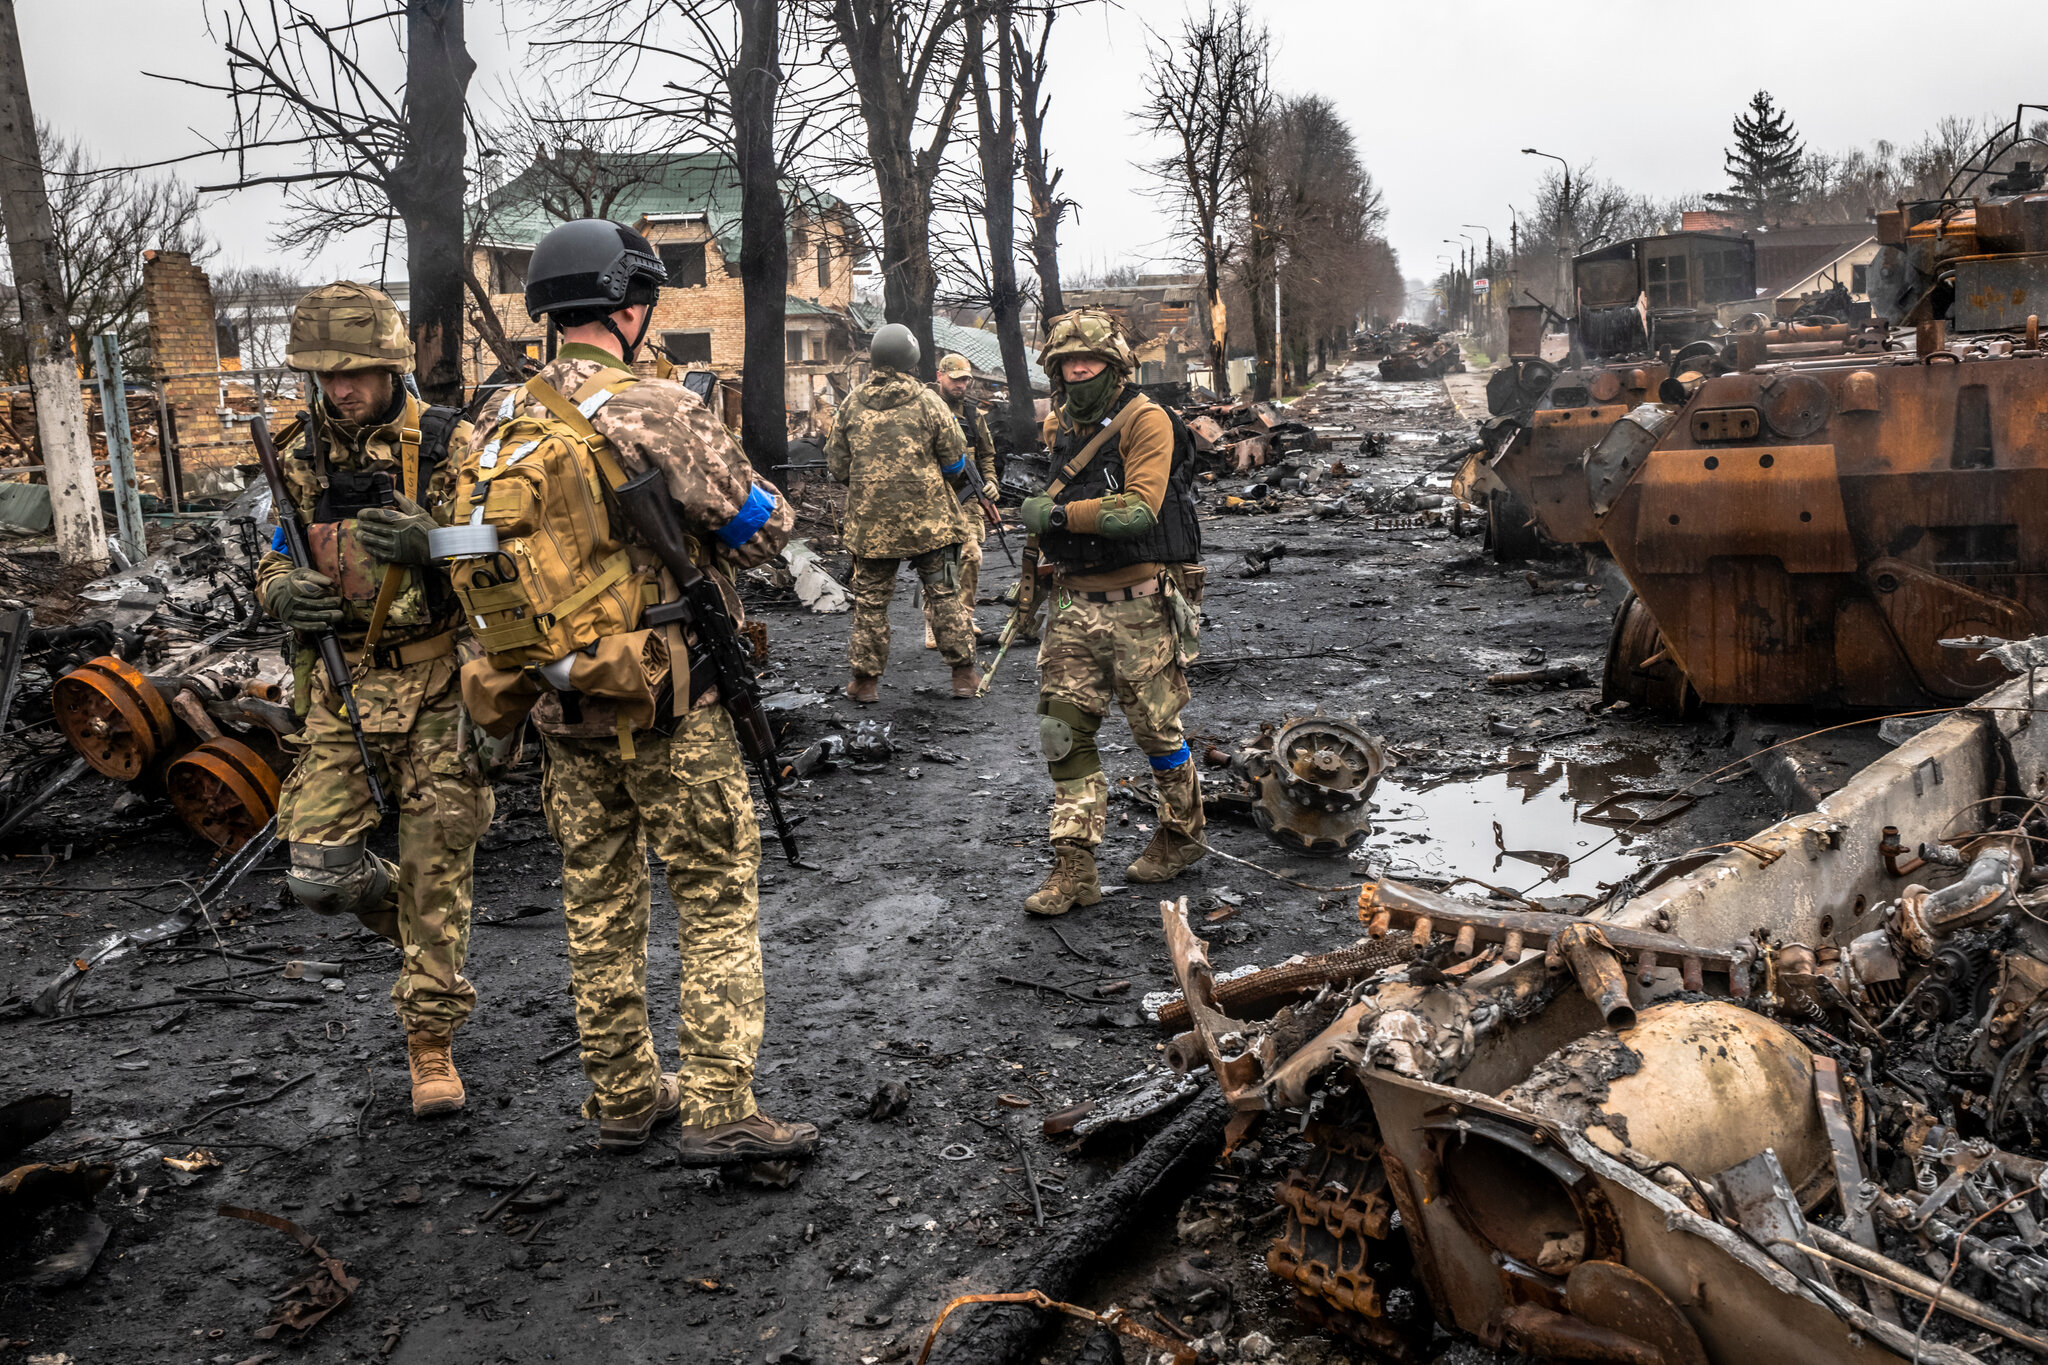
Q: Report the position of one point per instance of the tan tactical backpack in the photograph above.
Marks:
(559, 578)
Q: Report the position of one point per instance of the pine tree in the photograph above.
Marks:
(1765, 166)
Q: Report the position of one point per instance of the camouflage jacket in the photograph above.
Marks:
(425, 605)
(891, 444)
(973, 420)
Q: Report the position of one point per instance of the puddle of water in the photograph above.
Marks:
(1446, 830)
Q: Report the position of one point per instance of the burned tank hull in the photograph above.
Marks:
(1422, 361)
(1810, 533)
(1540, 469)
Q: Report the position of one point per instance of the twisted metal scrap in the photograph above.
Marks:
(1116, 1320)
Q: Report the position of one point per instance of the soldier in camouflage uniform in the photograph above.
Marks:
(679, 785)
(1125, 545)
(955, 375)
(369, 437)
(903, 455)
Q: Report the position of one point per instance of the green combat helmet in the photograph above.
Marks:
(894, 348)
(955, 366)
(348, 326)
(1089, 332)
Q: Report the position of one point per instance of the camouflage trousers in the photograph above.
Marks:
(688, 796)
(970, 584)
(444, 807)
(874, 587)
(1094, 653)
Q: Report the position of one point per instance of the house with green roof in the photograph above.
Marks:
(688, 206)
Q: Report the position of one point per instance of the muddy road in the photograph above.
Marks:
(885, 989)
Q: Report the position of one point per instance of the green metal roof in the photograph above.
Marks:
(662, 183)
(984, 353)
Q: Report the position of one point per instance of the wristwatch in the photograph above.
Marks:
(1057, 518)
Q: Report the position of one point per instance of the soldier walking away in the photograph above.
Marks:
(617, 782)
(367, 471)
(955, 375)
(903, 456)
(1118, 525)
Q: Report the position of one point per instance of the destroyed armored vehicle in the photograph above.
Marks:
(1417, 359)
(1813, 530)
(1776, 1101)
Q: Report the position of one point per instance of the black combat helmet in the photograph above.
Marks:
(592, 263)
(586, 270)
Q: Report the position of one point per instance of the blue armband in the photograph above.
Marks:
(278, 544)
(1166, 763)
(953, 470)
(752, 516)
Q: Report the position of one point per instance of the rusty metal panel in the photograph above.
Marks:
(1783, 502)
(1994, 292)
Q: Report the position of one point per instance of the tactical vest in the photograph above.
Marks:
(1175, 538)
(423, 437)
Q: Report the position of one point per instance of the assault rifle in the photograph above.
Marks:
(645, 501)
(327, 644)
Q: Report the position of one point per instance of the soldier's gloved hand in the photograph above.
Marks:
(991, 490)
(496, 756)
(396, 534)
(1036, 514)
(304, 600)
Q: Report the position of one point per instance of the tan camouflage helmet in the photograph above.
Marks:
(1086, 331)
(955, 366)
(348, 326)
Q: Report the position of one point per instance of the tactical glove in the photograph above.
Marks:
(396, 534)
(495, 757)
(1036, 514)
(991, 490)
(304, 600)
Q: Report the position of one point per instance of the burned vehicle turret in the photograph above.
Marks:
(1812, 530)
(1643, 306)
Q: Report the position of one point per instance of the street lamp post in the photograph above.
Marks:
(1563, 207)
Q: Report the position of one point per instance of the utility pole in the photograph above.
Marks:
(1279, 362)
(45, 317)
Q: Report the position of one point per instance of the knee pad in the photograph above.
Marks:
(1066, 734)
(337, 879)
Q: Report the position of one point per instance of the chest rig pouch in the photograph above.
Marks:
(381, 590)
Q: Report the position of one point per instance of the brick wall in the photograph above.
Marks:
(179, 298)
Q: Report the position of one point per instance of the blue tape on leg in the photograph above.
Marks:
(1166, 763)
(752, 516)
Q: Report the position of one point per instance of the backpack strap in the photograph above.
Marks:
(576, 415)
(1094, 446)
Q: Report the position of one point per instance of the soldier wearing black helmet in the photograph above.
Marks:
(612, 787)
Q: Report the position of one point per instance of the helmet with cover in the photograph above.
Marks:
(348, 326)
(1086, 332)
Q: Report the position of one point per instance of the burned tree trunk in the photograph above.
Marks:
(46, 328)
(427, 191)
(996, 118)
(753, 84)
(1041, 181)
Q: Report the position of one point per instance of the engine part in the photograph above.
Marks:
(113, 716)
(1313, 782)
(223, 790)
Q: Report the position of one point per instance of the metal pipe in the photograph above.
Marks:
(1598, 969)
(1872, 1266)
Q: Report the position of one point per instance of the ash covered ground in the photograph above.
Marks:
(884, 967)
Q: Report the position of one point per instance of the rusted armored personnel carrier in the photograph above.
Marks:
(1415, 358)
(1811, 531)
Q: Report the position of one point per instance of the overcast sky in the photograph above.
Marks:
(1442, 96)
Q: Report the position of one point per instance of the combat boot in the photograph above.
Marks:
(630, 1134)
(436, 1089)
(865, 688)
(758, 1138)
(966, 681)
(1073, 882)
(1166, 857)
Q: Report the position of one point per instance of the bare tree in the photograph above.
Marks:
(995, 113)
(367, 158)
(39, 287)
(754, 86)
(1041, 179)
(1200, 84)
(900, 53)
(257, 302)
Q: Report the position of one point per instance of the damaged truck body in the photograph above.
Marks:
(1780, 1101)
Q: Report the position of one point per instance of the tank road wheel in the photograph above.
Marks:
(1640, 669)
(1511, 532)
(113, 716)
(223, 790)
